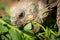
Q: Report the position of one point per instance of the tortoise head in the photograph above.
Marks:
(23, 12)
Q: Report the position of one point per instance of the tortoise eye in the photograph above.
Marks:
(22, 14)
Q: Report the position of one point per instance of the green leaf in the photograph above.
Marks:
(27, 30)
(7, 19)
(28, 27)
(47, 32)
(3, 37)
(8, 36)
(53, 37)
(3, 29)
(15, 35)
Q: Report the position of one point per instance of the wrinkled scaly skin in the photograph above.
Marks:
(31, 10)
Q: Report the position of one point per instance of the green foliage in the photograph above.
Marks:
(10, 32)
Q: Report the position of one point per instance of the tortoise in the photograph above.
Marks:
(25, 11)
(31, 10)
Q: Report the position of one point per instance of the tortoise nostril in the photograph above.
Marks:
(21, 14)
